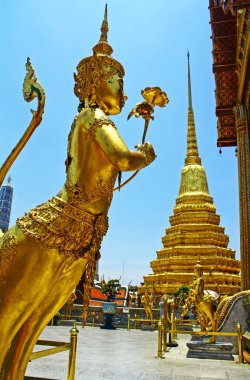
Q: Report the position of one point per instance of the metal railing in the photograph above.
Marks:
(140, 320)
(58, 347)
(162, 337)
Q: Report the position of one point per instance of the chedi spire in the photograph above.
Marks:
(194, 232)
(193, 175)
(192, 147)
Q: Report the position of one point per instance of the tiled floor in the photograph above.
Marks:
(129, 355)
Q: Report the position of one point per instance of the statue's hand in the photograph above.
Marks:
(148, 151)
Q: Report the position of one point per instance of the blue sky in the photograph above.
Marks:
(150, 39)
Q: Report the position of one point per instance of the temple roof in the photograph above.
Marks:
(228, 21)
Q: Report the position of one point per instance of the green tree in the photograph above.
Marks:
(181, 294)
(110, 288)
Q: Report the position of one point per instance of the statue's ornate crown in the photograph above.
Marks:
(198, 265)
(90, 68)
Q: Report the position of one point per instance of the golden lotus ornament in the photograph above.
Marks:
(154, 96)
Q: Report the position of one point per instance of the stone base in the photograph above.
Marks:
(108, 327)
(36, 378)
(108, 322)
(66, 322)
(203, 350)
(198, 338)
(148, 326)
(172, 344)
(246, 346)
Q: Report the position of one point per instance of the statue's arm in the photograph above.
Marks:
(111, 143)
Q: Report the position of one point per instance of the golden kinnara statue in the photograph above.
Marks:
(203, 302)
(211, 309)
(45, 254)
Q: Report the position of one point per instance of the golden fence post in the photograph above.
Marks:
(72, 352)
(159, 354)
(135, 322)
(175, 328)
(164, 334)
(240, 348)
(172, 327)
(129, 322)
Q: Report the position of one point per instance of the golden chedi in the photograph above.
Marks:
(195, 232)
(44, 256)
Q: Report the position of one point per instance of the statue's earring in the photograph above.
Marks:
(92, 101)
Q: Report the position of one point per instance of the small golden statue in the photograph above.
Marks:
(203, 302)
(69, 304)
(148, 303)
(43, 257)
(212, 310)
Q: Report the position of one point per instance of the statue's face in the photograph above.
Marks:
(197, 272)
(109, 94)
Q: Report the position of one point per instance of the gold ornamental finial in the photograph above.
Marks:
(189, 85)
(90, 69)
(102, 47)
(192, 156)
(198, 265)
(104, 27)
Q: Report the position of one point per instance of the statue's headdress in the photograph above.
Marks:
(198, 265)
(89, 70)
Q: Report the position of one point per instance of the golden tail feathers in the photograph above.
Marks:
(31, 89)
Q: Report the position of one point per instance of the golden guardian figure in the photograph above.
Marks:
(203, 302)
(43, 257)
(148, 304)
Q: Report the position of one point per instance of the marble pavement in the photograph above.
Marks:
(129, 355)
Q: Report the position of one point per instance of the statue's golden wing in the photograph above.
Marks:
(31, 89)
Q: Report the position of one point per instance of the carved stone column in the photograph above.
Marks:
(244, 193)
